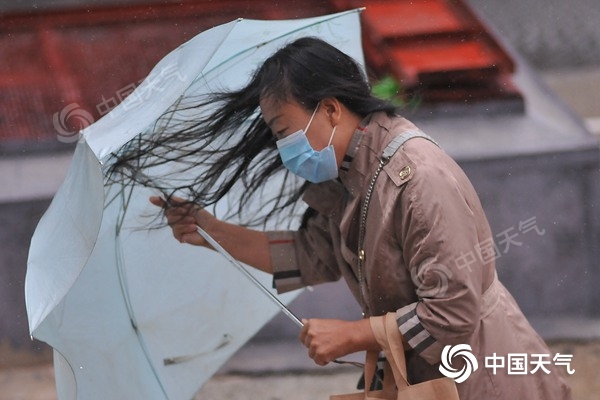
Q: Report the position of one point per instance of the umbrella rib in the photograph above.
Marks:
(138, 334)
(125, 203)
(123, 284)
(319, 22)
(109, 202)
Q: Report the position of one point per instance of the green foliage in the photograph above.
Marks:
(388, 88)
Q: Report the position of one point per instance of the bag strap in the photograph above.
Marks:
(386, 332)
(399, 140)
(386, 155)
(370, 368)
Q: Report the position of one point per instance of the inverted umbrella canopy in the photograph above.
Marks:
(130, 312)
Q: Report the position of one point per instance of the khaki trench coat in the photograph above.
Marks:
(428, 257)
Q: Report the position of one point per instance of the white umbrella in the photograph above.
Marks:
(131, 313)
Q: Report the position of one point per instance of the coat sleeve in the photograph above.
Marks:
(438, 223)
(303, 257)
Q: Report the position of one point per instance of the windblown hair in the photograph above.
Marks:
(231, 144)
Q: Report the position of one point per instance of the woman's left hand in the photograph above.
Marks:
(330, 339)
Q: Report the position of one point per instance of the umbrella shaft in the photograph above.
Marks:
(243, 270)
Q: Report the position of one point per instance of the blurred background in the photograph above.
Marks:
(509, 89)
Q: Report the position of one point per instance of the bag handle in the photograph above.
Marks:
(386, 332)
(389, 385)
(370, 368)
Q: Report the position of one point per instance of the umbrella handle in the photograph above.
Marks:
(255, 281)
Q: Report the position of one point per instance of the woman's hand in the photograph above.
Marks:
(246, 245)
(330, 339)
(184, 218)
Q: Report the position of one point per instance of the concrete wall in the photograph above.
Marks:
(555, 269)
(17, 223)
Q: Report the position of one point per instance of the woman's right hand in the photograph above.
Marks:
(184, 218)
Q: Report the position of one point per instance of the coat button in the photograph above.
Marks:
(404, 172)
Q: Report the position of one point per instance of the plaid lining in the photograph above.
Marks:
(352, 148)
(286, 274)
(281, 241)
(412, 330)
(287, 280)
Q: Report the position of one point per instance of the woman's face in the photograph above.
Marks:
(286, 118)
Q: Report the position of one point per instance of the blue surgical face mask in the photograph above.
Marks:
(299, 157)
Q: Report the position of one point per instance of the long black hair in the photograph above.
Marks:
(232, 145)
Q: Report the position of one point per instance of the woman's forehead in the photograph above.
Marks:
(270, 105)
(283, 112)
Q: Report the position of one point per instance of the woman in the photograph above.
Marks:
(388, 211)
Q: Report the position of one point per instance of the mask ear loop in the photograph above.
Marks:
(331, 138)
(312, 117)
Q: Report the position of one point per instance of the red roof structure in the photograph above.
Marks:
(436, 49)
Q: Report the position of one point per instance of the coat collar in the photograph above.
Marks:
(373, 133)
(360, 161)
